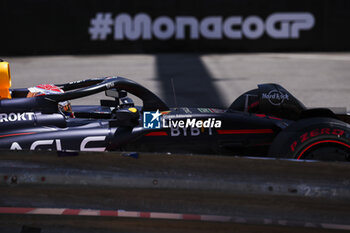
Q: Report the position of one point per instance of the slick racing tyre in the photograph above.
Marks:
(313, 139)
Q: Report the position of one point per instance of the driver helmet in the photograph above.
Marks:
(50, 89)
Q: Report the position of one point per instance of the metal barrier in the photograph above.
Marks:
(248, 191)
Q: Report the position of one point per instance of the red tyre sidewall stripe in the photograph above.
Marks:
(320, 142)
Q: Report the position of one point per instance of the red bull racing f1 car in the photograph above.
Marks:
(267, 121)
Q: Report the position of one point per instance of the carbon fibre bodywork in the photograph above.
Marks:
(248, 127)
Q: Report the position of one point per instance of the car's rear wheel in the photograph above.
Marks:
(314, 139)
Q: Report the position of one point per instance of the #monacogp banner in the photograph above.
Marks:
(133, 26)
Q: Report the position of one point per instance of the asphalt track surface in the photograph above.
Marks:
(245, 195)
(317, 79)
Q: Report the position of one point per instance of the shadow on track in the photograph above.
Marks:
(194, 86)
